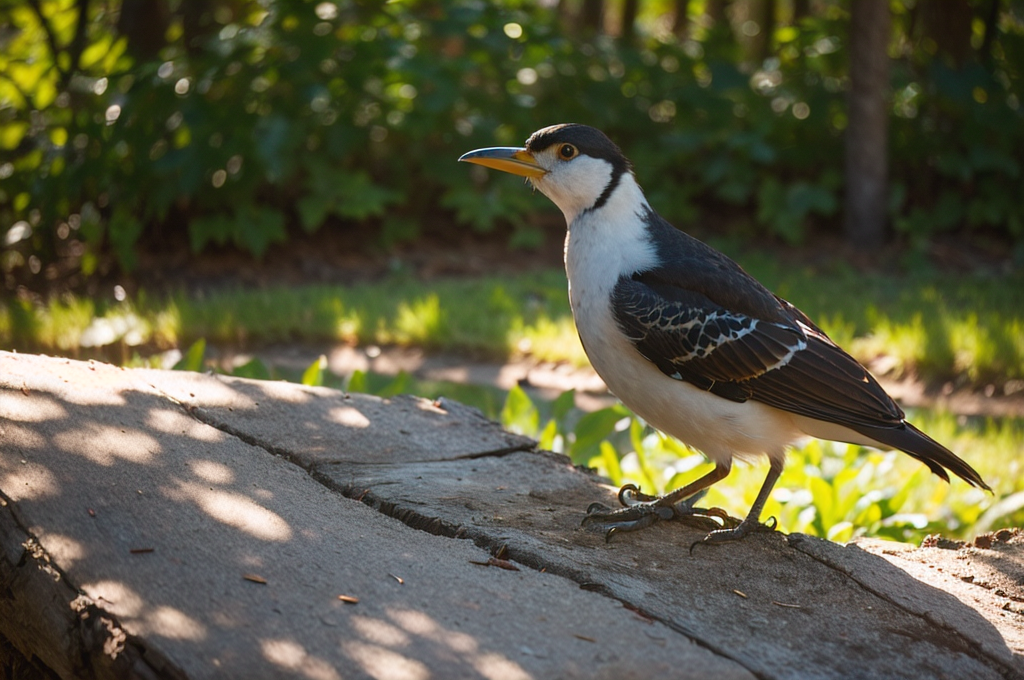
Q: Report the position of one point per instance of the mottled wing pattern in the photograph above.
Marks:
(787, 363)
(691, 338)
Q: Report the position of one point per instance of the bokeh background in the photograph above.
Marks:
(243, 122)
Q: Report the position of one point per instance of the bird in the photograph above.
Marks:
(692, 343)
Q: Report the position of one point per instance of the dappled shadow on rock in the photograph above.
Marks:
(314, 425)
(208, 556)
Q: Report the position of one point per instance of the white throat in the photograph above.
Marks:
(603, 244)
(611, 240)
(577, 185)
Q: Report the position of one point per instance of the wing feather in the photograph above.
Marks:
(789, 364)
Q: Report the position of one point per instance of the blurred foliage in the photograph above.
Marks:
(239, 120)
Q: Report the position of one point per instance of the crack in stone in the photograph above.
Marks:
(439, 527)
(206, 418)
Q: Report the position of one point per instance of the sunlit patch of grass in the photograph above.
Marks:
(551, 339)
(420, 321)
(939, 328)
(906, 344)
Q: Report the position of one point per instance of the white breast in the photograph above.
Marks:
(599, 247)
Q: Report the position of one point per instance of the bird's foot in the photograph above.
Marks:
(737, 532)
(642, 510)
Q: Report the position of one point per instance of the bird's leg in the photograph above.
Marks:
(642, 510)
(752, 522)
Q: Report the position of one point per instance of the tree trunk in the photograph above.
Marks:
(630, 9)
(144, 23)
(991, 26)
(591, 14)
(949, 24)
(681, 22)
(867, 132)
(763, 12)
(801, 9)
(715, 11)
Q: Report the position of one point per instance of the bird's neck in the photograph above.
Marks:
(605, 243)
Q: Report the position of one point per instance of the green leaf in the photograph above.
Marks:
(610, 459)
(273, 137)
(786, 34)
(396, 229)
(314, 374)
(822, 494)
(636, 436)
(11, 134)
(590, 430)
(256, 228)
(519, 413)
(357, 382)
(481, 210)
(211, 228)
(561, 407)
(841, 532)
(400, 384)
(124, 231)
(193, 359)
(359, 198)
(547, 436)
(313, 210)
(254, 369)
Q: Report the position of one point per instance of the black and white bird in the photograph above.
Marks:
(692, 343)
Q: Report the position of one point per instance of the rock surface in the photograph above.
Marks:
(167, 524)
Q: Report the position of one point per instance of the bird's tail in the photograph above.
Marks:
(915, 443)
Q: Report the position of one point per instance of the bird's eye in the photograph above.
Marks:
(567, 152)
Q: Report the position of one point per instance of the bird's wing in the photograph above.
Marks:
(786, 362)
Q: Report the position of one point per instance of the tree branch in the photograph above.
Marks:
(77, 45)
(51, 39)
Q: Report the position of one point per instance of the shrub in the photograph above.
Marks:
(290, 115)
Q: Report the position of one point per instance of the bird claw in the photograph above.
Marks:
(642, 510)
(736, 532)
(630, 518)
(630, 495)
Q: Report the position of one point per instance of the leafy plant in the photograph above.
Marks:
(291, 115)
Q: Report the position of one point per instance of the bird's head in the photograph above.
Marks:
(576, 166)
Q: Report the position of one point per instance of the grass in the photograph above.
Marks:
(493, 317)
(968, 328)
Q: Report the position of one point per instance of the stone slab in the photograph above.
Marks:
(988, 579)
(223, 560)
(783, 607)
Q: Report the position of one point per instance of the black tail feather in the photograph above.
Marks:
(913, 442)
